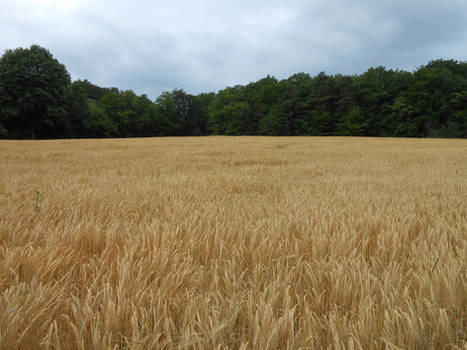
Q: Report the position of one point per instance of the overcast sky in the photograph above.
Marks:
(206, 45)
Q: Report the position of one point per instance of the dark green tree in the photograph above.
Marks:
(374, 98)
(270, 124)
(98, 123)
(436, 96)
(220, 109)
(33, 96)
(240, 119)
(92, 91)
(182, 111)
(353, 123)
(200, 112)
(293, 115)
(323, 103)
(261, 96)
(77, 111)
(402, 121)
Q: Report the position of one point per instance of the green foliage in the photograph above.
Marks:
(3, 131)
(353, 123)
(32, 93)
(37, 200)
(200, 111)
(93, 91)
(239, 119)
(402, 119)
(37, 100)
(77, 110)
(270, 124)
(219, 109)
(181, 111)
(98, 123)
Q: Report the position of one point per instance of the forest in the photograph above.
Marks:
(38, 99)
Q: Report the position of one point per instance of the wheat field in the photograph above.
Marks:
(233, 243)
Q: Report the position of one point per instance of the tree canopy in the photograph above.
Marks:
(32, 93)
(37, 99)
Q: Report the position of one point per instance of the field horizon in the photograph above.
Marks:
(245, 242)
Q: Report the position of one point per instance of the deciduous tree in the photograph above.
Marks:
(32, 92)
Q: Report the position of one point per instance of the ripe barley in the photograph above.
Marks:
(233, 243)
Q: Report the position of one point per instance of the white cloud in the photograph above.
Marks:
(151, 46)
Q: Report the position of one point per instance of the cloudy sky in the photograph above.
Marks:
(206, 45)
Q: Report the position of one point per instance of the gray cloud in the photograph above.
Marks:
(150, 46)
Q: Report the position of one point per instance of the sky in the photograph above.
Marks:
(206, 45)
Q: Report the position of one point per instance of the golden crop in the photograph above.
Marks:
(233, 243)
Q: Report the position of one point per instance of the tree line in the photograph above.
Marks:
(39, 100)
